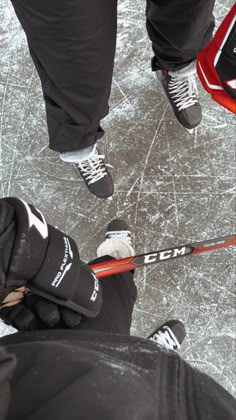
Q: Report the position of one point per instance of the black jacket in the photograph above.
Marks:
(73, 375)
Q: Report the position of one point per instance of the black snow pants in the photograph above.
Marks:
(72, 44)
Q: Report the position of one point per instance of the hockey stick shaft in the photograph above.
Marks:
(131, 263)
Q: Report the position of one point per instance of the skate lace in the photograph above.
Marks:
(182, 89)
(166, 338)
(93, 168)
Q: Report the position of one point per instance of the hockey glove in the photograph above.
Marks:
(41, 272)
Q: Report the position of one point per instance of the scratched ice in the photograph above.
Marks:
(172, 187)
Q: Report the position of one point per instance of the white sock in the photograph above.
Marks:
(190, 69)
(77, 156)
(117, 248)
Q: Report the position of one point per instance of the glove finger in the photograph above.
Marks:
(20, 317)
(70, 318)
(47, 312)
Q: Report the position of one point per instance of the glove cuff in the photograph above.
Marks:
(31, 241)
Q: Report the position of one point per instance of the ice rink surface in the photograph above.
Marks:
(172, 187)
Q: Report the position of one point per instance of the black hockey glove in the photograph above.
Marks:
(43, 282)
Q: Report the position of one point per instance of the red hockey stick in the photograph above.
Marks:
(125, 264)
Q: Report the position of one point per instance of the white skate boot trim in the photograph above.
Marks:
(116, 248)
(119, 234)
(166, 338)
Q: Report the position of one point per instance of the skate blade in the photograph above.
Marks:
(189, 130)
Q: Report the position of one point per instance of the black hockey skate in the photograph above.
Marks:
(170, 335)
(180, 88)
(96, 176)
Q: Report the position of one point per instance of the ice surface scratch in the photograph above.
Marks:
(1, 130)
(20, 128)
(147, 158)
(122, 92)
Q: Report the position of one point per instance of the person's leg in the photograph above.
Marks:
(72, 44)
(119, 291)
(179, 29)
(119, 296)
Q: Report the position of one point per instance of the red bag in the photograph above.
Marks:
(216, 63)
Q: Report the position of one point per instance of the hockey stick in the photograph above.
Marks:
(125, 264)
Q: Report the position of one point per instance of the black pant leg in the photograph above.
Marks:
(200, 397)
(178, 29)
(119, 296)
(72, 43)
